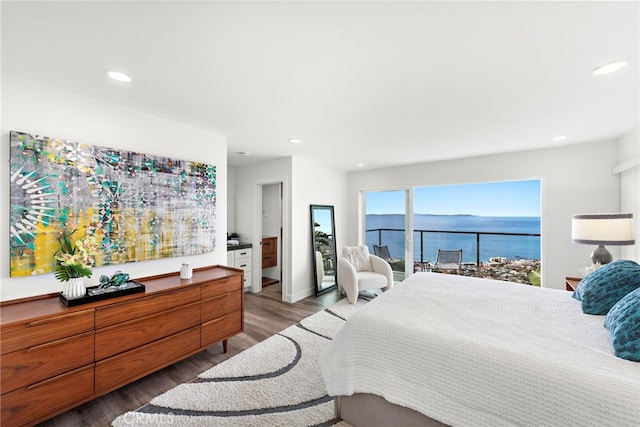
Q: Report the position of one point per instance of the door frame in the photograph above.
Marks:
(408, 222)
(256, 232)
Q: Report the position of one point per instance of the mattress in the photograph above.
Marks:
(477, 352)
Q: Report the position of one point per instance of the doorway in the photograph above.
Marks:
(271, 234)
(270, 215)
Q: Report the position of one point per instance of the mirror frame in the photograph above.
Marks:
(332, 245)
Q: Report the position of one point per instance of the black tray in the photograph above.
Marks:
(94, 293)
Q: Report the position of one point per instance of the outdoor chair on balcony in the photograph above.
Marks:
(383, 252)
(358, 271)
(449, 260)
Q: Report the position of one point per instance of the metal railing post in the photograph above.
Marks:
(478, 254)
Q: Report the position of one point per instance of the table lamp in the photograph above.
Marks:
(602, 229)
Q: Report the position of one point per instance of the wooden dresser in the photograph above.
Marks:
(54, 357)
(269, 252)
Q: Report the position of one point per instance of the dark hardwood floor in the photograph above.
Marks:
(265, 315)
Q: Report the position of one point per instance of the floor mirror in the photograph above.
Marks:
(323, 248)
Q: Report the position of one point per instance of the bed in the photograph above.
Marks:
(446, 349)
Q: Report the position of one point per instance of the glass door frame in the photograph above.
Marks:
(408, 222)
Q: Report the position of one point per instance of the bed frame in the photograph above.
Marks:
(370, 410)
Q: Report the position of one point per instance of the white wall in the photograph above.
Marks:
(575, 179)
(314, 184)
(630, 187)
(44, 110)
(231, 199)
(307, 183)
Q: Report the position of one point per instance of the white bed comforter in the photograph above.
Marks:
(475, 352)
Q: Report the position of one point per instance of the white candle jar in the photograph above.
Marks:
(186, 272)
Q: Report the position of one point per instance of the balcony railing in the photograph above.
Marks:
(505, 259)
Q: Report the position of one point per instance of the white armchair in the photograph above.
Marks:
(319, 269)
(358, 270)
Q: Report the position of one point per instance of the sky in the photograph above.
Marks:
(513, 198)
(322, 217)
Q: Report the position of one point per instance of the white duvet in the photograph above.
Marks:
(476, 352)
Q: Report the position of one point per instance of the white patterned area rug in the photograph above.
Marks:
(276, 382)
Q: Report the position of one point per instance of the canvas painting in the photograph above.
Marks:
(139, 206)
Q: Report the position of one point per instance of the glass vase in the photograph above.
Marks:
(74, 288)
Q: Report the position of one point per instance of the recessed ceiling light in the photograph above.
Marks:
(119, 77)
(360, 165)
(559, 138)
(295, 140)
(243, 153)
(611, 67)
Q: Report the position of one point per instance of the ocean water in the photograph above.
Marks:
(510, 247)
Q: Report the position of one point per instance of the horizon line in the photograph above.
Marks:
(492, 216)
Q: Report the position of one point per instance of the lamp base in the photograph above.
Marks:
(601, 255)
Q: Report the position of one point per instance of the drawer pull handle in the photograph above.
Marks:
(50, 380)
(54, 319)
(221, 296)
(57, 342)
(46, 345)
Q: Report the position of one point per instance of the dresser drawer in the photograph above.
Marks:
(47, 398)
(118, 370)
(242, 254)
(269, 260)
(269, 245)
(117, 313)
(221, 305)
(244, 264)
(246, 281)
(221, 328)
(23, 335)
(134, 333)
(28, 366)
(222, 286)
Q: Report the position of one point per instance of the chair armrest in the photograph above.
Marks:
(381, 266)
(348, 279)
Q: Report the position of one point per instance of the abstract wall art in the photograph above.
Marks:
(139, 206)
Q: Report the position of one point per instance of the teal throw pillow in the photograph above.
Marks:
(623, 322)
(601, 289)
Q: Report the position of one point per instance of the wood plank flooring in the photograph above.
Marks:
(265, 315)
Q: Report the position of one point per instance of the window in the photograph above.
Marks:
(497, 226)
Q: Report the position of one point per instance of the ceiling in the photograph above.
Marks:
(379, 83)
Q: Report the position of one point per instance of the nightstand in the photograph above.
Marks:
(571, 283)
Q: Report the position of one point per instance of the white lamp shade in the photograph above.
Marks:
(602, 229)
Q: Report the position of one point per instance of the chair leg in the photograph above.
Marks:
(352, 295)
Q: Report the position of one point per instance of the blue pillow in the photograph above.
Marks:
(601, 289)
(623, 322)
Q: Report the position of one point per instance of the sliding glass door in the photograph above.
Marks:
(496, 226)
(386, 224)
